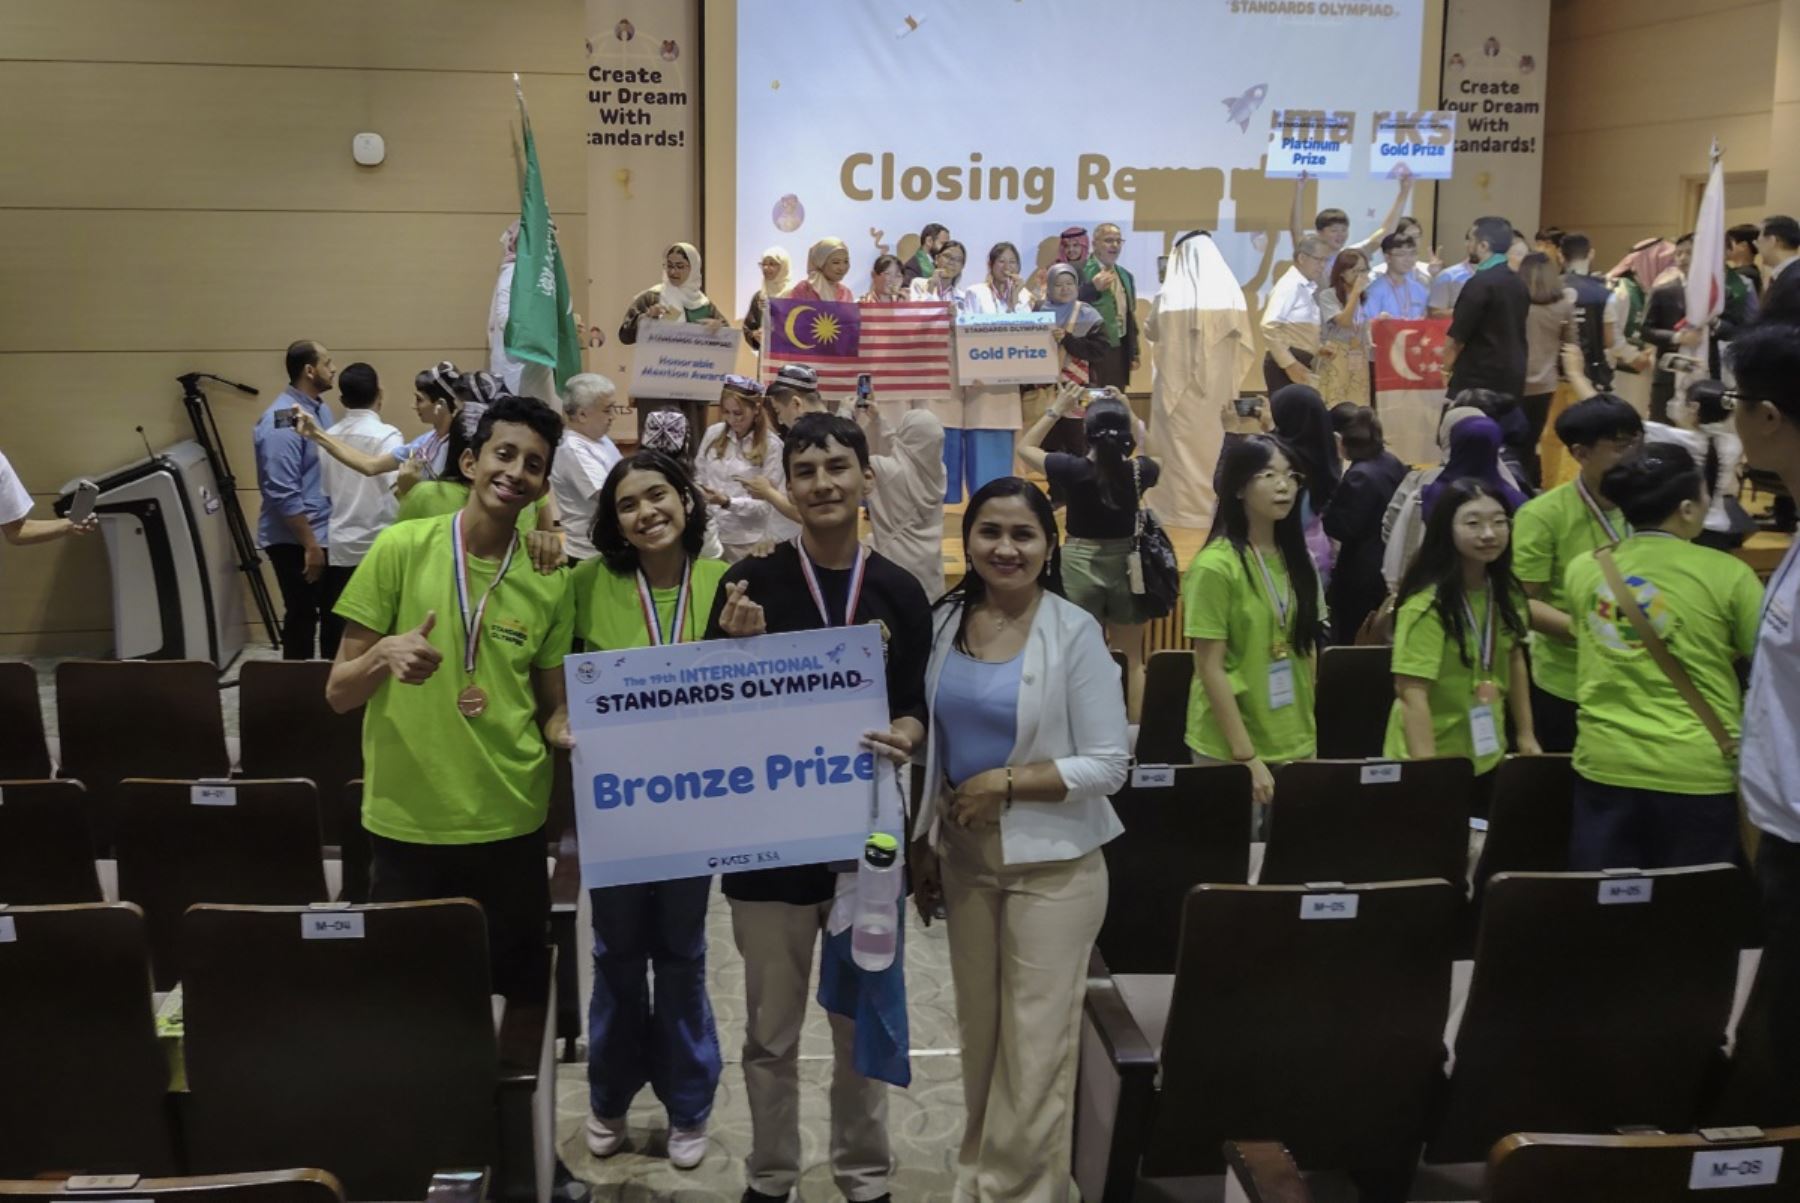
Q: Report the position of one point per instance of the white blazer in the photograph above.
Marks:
(1072, 711)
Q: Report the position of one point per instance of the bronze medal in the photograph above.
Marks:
(472, 702)
(1487, 693)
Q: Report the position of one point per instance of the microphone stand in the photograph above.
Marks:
(206, 433)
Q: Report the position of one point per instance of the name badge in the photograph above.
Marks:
(1484, 730)
(1281, 684)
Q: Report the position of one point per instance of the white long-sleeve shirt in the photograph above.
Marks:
(746, 520)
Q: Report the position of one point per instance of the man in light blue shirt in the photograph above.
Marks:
(1398, 291)
(295, 510)
(1448, 286)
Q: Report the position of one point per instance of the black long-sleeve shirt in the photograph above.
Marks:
(891, 599)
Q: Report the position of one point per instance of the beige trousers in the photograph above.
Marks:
(777, 941)
(1019, 942)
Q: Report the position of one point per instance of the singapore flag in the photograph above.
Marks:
(1409, 384)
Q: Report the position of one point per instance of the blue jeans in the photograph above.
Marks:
(1618, 828)
(666, 1039)
(977, 456)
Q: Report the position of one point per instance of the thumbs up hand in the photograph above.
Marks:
(409, 656)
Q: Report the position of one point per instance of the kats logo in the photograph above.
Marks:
(1608, 624)
(509, 630)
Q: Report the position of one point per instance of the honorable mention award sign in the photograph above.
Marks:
(700, 758)
(681, 361)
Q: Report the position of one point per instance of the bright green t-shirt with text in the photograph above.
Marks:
(1549, 531)
(1635, 731)
(609, 616)
(1422, 648)
(1223, 597)
(433, 498)
(431, 776)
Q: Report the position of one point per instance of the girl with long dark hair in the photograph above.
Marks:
(648, 587)
(1304, 425)
(1029, 739)
(1459, 637)
(1254, 611)
(1102, 488)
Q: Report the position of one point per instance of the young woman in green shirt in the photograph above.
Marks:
(1459, 635)
(1653, 788)
(647, 587)
(1254, 609)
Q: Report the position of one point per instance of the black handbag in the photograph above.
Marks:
(1155, 577)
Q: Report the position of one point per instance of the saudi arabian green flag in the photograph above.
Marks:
(540, 328)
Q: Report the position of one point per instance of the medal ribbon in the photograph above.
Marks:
(1612, 532)
(652, 621)
(472, 622)
(1489, 633)
(1279, 605)
(812, 584)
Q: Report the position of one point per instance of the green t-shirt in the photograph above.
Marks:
(431, 776)
(609, 617)
(1549, 531)
(1635, 731)
(434, 498)
(1223, 598)
(1423, 649)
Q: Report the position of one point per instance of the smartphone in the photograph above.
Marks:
(865, 387)
(286, 419)
(81, 508)
(1675, 361)
(1247, 407)
(1096, 394)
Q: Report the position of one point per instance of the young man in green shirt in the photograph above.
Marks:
(455, 646)
(1553, 528)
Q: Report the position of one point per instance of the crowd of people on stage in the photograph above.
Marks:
(1535, 585)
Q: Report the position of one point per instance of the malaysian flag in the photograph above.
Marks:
(904, 346)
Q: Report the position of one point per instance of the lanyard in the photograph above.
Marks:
(653, 621)
(812, 584)
(1599, 515)
(1488, 630)
(1278, 604)
(472, 621)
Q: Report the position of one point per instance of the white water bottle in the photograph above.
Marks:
(875, 933)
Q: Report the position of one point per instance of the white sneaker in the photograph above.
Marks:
(605, 1136)
(687, 1147)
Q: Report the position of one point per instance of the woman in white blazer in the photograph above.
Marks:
(1028, 742)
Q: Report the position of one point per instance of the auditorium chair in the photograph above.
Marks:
(1162, 725)
(46, 856)
(136, 718)
(1352, 820)
(1194, 829)
(1124, 667)
(1533, 1167)
(1528, 820)
(278, 1186)
(353, 844)
(1262, 1171)
(1598, 1002)
(86, 1084)
(285, 729)
(363, 1041)
(240, 841)
(1354, 693)
(1313, 1016)
(565, 899)
(24, 752)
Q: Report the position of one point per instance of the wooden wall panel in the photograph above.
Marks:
(420, 35)
(162, 136)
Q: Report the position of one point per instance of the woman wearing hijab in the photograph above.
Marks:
(906, 510)
(1201, 346)
(677, 299)
(1079, 340)
(1474, 455)
(776, 270)
(827, 263)
(1304, 423)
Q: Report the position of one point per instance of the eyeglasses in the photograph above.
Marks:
(1268, 476)
(618, 411)
(1731, 399)
(1481, 525)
